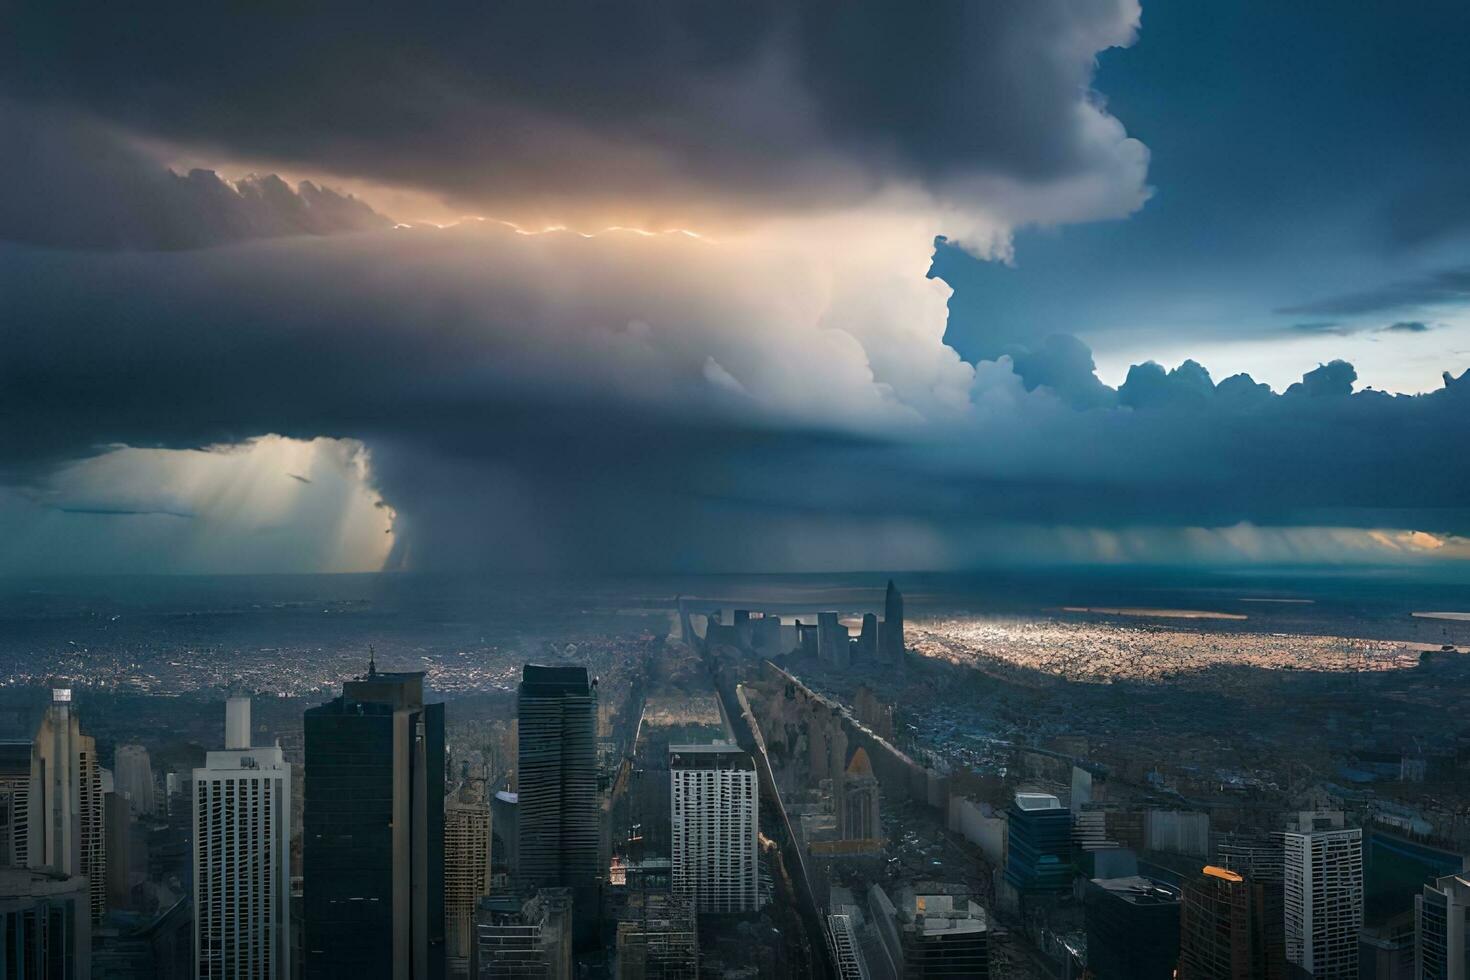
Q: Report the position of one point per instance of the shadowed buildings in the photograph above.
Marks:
(1132, 928)
(45, 925)
(1223, 928)
(373, 842)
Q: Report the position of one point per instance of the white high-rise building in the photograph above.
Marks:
(1442, 929)
(715, 812)
(242, 861)
(1324, 894)
(66, 824)
(133, 777)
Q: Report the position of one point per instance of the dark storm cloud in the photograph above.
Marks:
(525, 405)
(69, 182)
(670, 103)
(1407, 326)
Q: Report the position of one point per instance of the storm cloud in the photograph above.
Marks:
(548, 400)
(623, 113)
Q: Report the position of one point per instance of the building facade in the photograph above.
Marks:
(67, 821)
(558, 812)
(714, 815)
(242, 857)
(45, 925)
(467, 835)
(1132, 928)
(1038, 844)
(1442, 929)
(373, 834)
(1323, 867)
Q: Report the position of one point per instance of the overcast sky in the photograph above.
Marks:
(696, 286)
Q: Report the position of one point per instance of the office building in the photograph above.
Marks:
(1221, 929)
(524, 941)
(133, 777)
(46, 921)
(559, 816)
(467, 835)
(1261, 860)
(1324, 894)
(16, 759)
(68, 833)
(373, 836)
(942, 935)
(242, 857)
(714, 816)
(1442, 929)
(1038, 845)
(657, 939)
(1132, 928)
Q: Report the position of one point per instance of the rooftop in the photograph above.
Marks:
(715, 755)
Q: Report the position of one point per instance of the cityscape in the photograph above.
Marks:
(709, 490)
(693, 784)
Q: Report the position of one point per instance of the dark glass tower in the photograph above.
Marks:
(558, 811)
(890, 634)
(373, 842)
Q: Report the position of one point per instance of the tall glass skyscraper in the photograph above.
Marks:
(373, 843)
(559, 814)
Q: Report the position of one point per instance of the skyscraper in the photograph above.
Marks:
(373, 841)
(66, 808)
(466, 870)
(242, 857)
(714, 814)
(559, 816)
(133, 776)
(890, 633)
(1038, 844)
(1220, 929)
(1442, 929)
(1324, 894)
